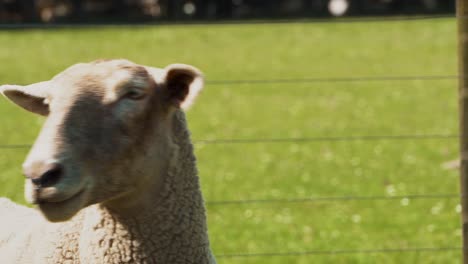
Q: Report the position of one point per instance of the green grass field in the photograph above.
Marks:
(290, 170)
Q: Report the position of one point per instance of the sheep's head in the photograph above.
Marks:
(107, 132)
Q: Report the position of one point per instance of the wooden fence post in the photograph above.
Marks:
(462, 15)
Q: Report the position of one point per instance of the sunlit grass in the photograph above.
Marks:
(290, 170)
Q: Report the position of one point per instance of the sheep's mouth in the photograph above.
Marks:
(60, 200)
(63, 209)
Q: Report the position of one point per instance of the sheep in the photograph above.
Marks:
(112, 171)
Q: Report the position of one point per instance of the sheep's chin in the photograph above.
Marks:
(64, 210)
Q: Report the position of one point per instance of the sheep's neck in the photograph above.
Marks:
(166, 231)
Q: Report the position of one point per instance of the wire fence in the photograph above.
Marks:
(327, 139)
(338, 79)
(402, 18)
(334, 199)
(340, 252)
(314, 139)
(305, 200)
(346, 139)
(295, 140)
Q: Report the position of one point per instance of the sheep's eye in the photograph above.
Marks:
(134, 95)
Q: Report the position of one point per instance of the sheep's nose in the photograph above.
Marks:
(44, 175)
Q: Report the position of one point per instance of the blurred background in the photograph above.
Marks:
(125, 11)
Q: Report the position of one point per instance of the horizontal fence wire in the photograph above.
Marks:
(339, 252)
(334, 199)
(337, 79)
(363, 19)
(327, 139)
(19, 26)
(15, 146)
(296, 140)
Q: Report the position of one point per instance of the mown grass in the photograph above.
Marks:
(290, 170)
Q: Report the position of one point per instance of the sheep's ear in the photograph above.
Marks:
(182, 84)
(31, 97)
